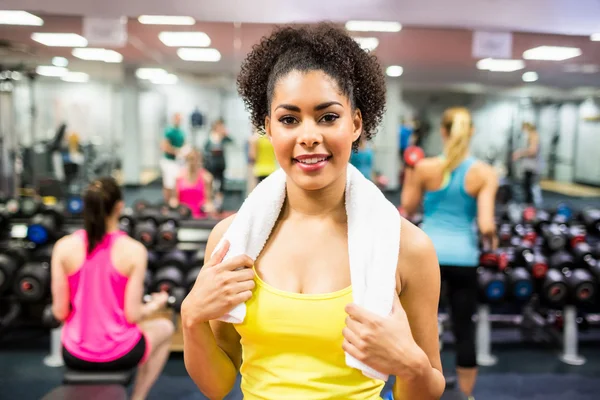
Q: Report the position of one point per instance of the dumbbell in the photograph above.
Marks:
(498, 259)
(520, 284)
(554, 238)
(591, 218)
(4, 219)
(561, 260)
(8, 268)
(74, 205)
(48, 318)
(526, 232)
(542, 218)
(412, 155)
(45, 226)
(505, 233)
(147, 281)
(140, 205)
(581, 285)
(582, 252)
(554, 289)
(197, 259)
(171, 270)
(183, 211)
(176, 297)
(13, 207)
(167, 231)
(575, 234)
(492, 285)
(191, 277)
(529, 215)
(29, 206)
(126, 221)
(539, 265)
(153, 261)
(32, 282)
(563, 214)
(146, 226)
(42, 254)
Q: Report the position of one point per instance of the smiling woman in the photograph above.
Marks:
(314, 93)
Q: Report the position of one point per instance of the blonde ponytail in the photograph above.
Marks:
(457, 122)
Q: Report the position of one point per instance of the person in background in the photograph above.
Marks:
(531, 163)
(406, 136)
(458, 195)
(97, 288)
(214, 156)
(261, 156)
(171, 145)
(194, 187)
(363, 159)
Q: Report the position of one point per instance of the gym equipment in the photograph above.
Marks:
(140, 205)
(48, 319)
(570, 354)
(167, 231)
(581, 285)
(175, 258)
(190, 278)
(42, 254)
(505, 233)
(575, 235)
(147, 281)
(529, 215)
(554, 289)
(32, 282)
(171, 271)
(492, 285)
(582, 252)
(519, 283)
(554, 237)
(45, 226)
(563, 212)
(8, 267)
(412, 155)
(561, 260)
(539, 265)
(484, 337)
(146, 226)
(526, 232)
(176, 297)
(197, 259)
(542, 218)
(74, 205)
(29, 206)
(183, 211)
(591, 218)
(152, 261)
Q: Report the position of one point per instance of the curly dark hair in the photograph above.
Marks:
(323, 47)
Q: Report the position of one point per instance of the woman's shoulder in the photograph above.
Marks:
(417, 256)
(217, 233)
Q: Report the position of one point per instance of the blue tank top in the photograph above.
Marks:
(363, 161)
(449, 219)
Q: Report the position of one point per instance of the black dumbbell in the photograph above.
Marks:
(520, 284)
(561, 260)
(153, 261)
(554, 237)
(42, 254)
(575, 234)
(191, 276)
(524, 253)
(492, 285)
(48, 318)
(8, 268)
(13, 207)
(29, 206)
(4, 219)
(126, 221)
(171, 271)
(542, 218)
(176, 297)
(146, 226)
(539, 266)
(582, 252)
(184, 211)
(554, 290)
(32, 282)
(44, 226)
(167, 232)
(147, 281)
(591, 218)
(140, 206)
(581, 284)
(197, 258)
(505, 233)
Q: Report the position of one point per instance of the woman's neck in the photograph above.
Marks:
(112, 225)
(326, 202)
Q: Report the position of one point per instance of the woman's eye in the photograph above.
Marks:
(329, 118)
(287, 120)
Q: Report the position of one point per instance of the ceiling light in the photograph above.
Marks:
(367, 43)
(373, 26)
(50, 70)
(19, 18)
(530, 76)
(394, 71)
(168, 79)
(76, 77)
(495, 65)
(206, 55)
(184, 39)
(150, 73)
(60, 61)
(166, 20)
(551, 53)
(91, 54)
(60, 39)
(595, 37)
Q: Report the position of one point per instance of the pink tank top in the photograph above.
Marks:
(192, 194)
(96, 329)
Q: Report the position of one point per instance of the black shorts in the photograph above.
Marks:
(128, 361)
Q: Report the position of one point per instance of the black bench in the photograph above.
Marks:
(92, 385)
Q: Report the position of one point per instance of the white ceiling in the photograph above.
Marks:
(569, 17)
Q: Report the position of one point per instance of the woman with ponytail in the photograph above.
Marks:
(458, 195)
(97, 288)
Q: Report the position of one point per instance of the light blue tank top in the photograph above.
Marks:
(449, 219)
(363, 161)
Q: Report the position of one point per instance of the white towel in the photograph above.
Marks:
(373, 242)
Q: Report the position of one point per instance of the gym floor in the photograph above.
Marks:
(523, 371)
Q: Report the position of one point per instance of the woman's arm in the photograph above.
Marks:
(412, 188)
(208, 192)
(419, 284)
(212, 351)
(486, 200)
(60, 285)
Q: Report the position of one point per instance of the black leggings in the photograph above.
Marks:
(128, 361)
(528, 182)
(461, 286)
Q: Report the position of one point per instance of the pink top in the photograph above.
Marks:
(96, 329)
(192, 194)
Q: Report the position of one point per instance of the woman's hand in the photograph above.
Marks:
(219, 287)
(385, 344)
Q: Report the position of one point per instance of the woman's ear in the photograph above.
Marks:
(358, 125)
(268, 126)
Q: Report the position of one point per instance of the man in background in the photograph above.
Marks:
(171, 145)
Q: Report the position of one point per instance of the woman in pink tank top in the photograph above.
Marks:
(194, 186)
(97, 289)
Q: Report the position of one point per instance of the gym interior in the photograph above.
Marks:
(83, 96)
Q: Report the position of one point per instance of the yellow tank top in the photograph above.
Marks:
(292, 348)
(265, 163)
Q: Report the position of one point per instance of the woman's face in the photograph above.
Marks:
(193, 159)
(312, 127)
